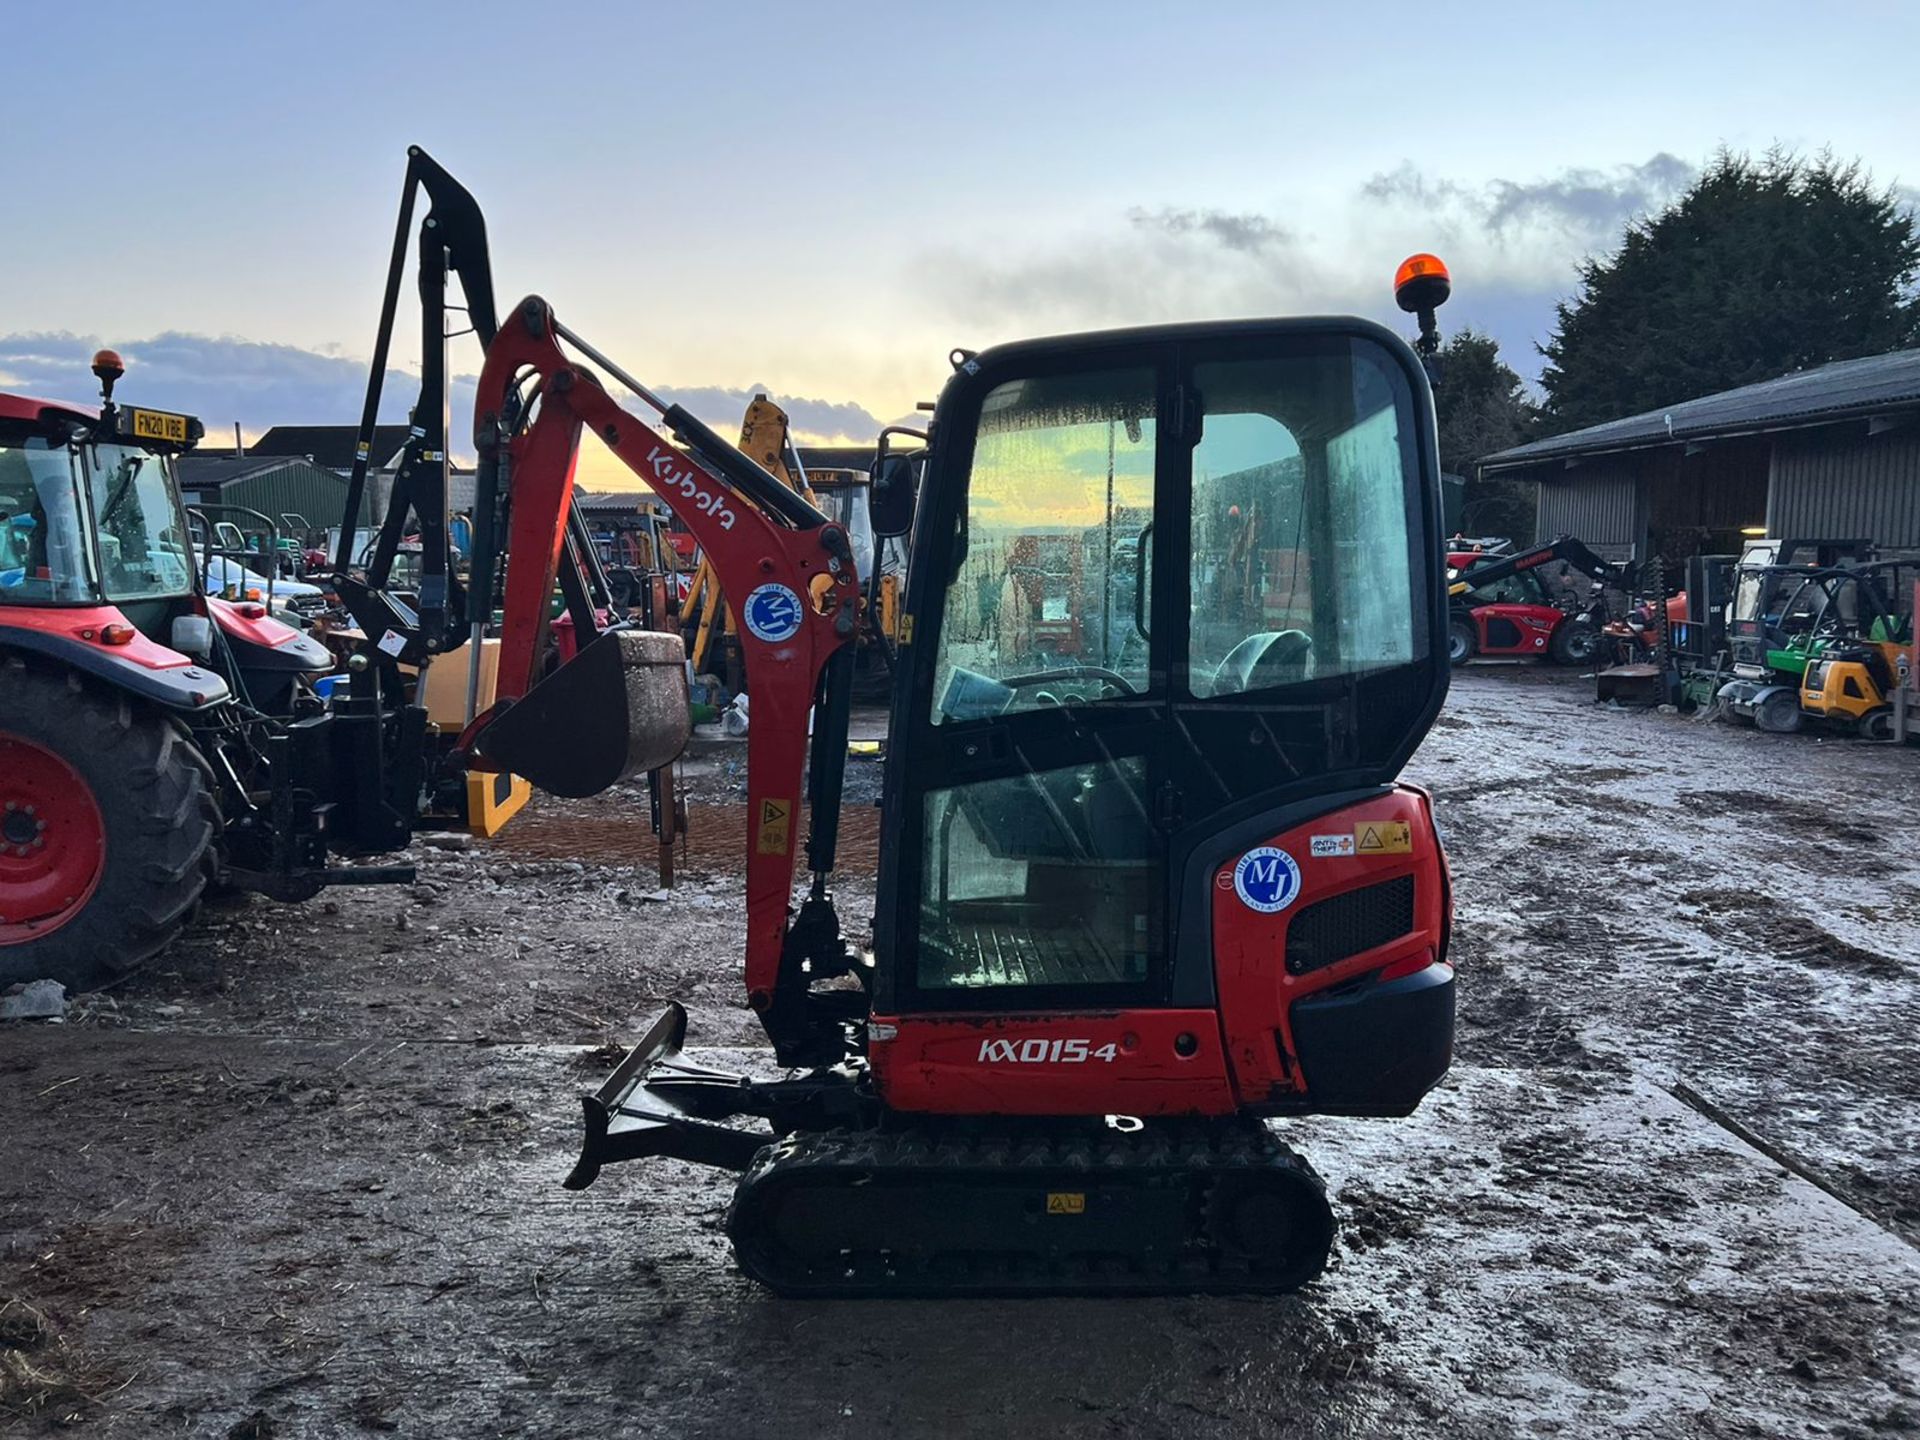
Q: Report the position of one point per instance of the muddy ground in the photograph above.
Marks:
(302, 1178)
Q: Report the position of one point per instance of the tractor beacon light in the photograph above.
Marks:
(1421, 286)
(108, 367)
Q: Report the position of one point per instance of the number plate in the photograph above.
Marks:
(159, 425)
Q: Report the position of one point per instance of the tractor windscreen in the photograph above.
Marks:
(142, 534)
(84, 523)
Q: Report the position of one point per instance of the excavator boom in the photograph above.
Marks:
(788, 564)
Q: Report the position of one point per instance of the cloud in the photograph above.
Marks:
(814, 422)
(1245, 232)
(1514, 246)
(219, 378)
(222, 379)
(1591, 205)
(1162, 264)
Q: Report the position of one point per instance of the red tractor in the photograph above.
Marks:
(126, 694)
(1501, 604)
(156, 739)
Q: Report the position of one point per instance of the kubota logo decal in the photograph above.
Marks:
(1041, 1051)
(664, 462)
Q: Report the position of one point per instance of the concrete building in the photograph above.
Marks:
(1831, 453)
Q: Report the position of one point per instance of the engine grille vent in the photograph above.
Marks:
(1333, 930)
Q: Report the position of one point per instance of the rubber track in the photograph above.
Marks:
(1199, 1155)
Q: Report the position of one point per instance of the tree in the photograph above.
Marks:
(1483, 407)
(1763, 267)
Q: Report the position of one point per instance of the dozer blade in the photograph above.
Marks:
(616, 709)
(656, 1103)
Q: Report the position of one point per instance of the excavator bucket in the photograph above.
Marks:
(616, 709)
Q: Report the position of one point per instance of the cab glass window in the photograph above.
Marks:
(1047, 603)
(1305, 485)
(44, 556)
(142, 537)
(1043, 879)
(1521, 588)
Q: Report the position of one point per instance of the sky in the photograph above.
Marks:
(824, 200)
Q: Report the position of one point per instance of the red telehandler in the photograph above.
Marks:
(1501, 604)
(1128, 906)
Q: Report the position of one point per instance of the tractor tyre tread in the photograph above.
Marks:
(161, 822)
(1575, 642)
(1462, 643)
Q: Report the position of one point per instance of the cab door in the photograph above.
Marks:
(1027, 850)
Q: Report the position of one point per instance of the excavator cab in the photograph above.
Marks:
(1165, 584)
(1177, 609)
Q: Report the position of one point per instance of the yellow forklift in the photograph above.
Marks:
(1858, 648)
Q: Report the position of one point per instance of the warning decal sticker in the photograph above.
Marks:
(775, 827)
(1383, 837)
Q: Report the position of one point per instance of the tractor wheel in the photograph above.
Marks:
(1877, 724)
(1779, 713)
(1462, 643)
(1575, 642)
(106, 831)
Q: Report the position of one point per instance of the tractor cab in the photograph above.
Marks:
(90, 512)
(1771, 605)
(99, 563)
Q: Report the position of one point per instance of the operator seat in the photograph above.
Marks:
(1272, 657)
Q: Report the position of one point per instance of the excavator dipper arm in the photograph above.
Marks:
(787, 567)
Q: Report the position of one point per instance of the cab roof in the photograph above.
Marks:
(32, 411)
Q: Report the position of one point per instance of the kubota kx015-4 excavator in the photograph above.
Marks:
(1128, 906)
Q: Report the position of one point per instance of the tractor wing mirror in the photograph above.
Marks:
(896, 488)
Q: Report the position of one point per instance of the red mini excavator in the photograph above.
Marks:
(1131, 902)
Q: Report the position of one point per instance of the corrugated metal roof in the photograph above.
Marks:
(330, 446)
(211, 472)
(1873, 385)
